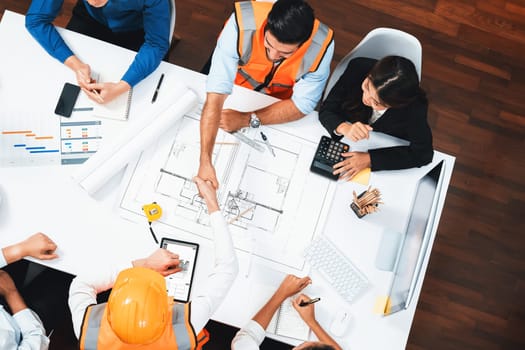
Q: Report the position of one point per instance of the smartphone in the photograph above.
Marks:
(67, 100)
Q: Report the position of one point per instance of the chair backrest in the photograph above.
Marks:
(378, 43)
(172, 20)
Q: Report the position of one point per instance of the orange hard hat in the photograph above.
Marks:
(138, 307)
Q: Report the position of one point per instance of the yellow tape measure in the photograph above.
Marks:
(153, 211)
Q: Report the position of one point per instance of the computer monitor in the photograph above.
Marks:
(415, 242)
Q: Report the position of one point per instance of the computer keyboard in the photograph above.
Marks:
(336, 268)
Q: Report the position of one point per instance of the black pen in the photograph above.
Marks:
(157, 89)
(308, 302)
(265, 139)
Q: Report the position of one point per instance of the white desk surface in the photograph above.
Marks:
(90, 234)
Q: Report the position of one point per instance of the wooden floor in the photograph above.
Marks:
(474, 72)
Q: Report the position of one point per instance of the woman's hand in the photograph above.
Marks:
(355, 131)
(291, 285)
(353, 164)
(306, 312)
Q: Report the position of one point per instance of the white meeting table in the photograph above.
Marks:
(91, 235)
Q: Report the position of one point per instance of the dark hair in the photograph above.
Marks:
(396, 81)
(291, 21)
(397, 84)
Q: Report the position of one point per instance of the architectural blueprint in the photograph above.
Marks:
(274, 205)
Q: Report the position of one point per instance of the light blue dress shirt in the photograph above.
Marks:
(23, 330)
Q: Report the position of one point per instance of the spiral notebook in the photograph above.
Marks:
(116, 109)
(287, 322)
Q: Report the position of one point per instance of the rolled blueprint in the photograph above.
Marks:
(141, 133)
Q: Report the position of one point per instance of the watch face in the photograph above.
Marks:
(254, 121)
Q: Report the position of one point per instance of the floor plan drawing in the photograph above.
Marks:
(274, 201)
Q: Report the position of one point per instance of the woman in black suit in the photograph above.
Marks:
(383, 96)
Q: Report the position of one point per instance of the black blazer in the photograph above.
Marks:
(408, 123)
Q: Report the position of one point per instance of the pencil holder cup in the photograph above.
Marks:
(366, 203)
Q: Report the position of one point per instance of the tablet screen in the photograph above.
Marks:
(178, 284)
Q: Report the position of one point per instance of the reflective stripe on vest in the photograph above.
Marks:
(182, 330)
(92, 320)
(180, 321)
(249, 28)
(315, 48)
(251, 19)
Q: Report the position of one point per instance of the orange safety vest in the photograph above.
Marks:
(254, 66)
(96, 333)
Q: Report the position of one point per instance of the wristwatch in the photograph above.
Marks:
(255, 122)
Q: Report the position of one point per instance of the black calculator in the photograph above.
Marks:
(328, 153)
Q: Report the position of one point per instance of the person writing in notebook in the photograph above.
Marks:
(25, 311)
(382, 96)
(278, 49)
(142, 26)
(139, 311)
(253, 333)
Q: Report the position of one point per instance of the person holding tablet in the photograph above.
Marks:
(382, 96)
(138, 311)
(142, 26)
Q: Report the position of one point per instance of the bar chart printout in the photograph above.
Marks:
(79, 140)
(28, 147)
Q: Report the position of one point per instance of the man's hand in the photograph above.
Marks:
(232, 120)
(9, 292)
(38, 246)
(306, 312)
(7, 286)
(353, 164)
(292, 285)
(81, 69)
(207, 173)
(161, 260)
(355, 131)
(208, 192)
(105, 92)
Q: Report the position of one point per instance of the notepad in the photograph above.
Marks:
(119, 107)
(115, 109)
(288, 323)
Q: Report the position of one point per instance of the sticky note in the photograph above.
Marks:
(362, 177)
(382, 305)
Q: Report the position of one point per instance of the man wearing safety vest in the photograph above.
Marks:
(279, 49)
(139, 314)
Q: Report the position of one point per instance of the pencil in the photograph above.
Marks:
(95, 92)
(241, 214)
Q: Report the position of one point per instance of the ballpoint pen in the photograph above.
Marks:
(158, 88)
(265, 139)
(308, 302)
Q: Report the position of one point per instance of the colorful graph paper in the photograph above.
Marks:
(79, 140)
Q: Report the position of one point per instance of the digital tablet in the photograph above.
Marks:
(179, 284)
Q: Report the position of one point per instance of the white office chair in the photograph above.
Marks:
(174, 38)
(378, 43)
